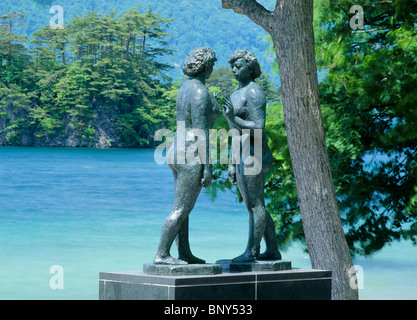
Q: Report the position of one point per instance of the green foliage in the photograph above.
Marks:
(369, 108)
(95, 61)
(89, 134)
(13, 138)
(13, 104)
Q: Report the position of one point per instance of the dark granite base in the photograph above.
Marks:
(258, 265)
(181, 270)
(296, 284)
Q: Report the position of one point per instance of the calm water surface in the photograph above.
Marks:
(90, 211)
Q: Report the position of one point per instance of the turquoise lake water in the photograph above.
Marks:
(89, 211)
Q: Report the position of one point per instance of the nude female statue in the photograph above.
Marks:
(197, 108)
(246, 110)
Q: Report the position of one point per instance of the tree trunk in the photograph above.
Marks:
(63, 54)
(291, 30)
(144, 44)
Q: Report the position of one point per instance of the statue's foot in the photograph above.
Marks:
(191, 259)
(245, 257)
(168, 260)
(270, 255)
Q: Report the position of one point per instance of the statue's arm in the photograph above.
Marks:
(201, 107)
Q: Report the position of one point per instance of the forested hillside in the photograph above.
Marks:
(97, 82)
(195, 23)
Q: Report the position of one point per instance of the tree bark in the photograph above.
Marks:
(291, 30)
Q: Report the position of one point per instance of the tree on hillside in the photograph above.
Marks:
(12, 49)
(7, 22)
(50, 44)
(290, 26)
(14, 60)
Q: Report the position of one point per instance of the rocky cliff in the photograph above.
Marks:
(99, 132)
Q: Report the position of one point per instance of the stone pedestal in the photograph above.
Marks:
(182, 270)
(295, 284)
(258, 265)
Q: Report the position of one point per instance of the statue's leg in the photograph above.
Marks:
(271, 252)
(183, 244)
(187, 188)
(251, 189)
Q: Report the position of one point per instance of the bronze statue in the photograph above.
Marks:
(197, 109)
(246, 111)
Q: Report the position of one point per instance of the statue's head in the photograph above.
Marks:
(251, 61)
(199, 60)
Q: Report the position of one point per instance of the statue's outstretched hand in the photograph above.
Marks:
(231, 173)
(228, 109)
(207, 177)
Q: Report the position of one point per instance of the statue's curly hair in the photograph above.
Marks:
(251, 60)
(197, 60)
